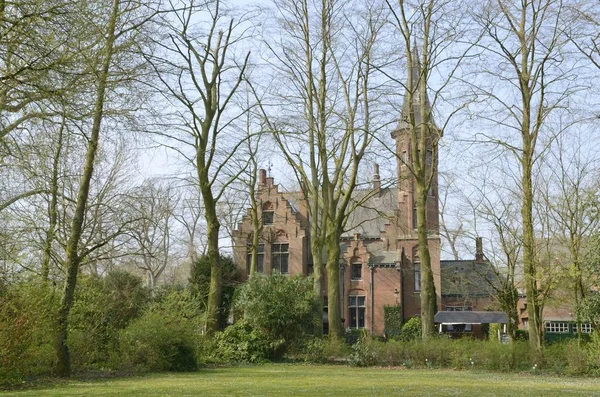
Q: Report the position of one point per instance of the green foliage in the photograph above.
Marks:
(493, 331)
(199, 283)
(593, 353)
(412, 329)
(363, 354)
(160, 340)
(589, 310)
(103, 307)
(521, 334)
(443, 353)
(27, 312)
(323, 349)
(241, 342)
(181, 303)
(281, 307)
(392, 317)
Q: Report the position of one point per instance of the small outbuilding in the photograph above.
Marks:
(460, 323)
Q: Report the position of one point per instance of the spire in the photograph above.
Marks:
(415, 72)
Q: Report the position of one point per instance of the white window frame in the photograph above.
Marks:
(555, 327)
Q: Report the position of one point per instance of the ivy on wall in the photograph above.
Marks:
(392, 317)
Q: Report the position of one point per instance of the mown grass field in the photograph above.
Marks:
(322, 380)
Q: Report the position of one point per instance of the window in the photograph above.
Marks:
(404, 157)
(417, 268)
(279, 257)
(417, 277)
(586, 328)
(260, 258)
(414, 217)
(557, 328)
(267, 217)
(357, 271)
(356, 308)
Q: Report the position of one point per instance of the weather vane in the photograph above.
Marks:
(269, 167)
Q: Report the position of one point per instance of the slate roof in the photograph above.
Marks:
(370, 217)
(470, 317)
(467, 278)
(416, 97)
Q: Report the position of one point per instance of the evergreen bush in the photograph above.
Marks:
(280, 307)
(412, 329)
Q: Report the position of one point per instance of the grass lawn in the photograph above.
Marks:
(322, 380)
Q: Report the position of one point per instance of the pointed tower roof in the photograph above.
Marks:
(415, 107)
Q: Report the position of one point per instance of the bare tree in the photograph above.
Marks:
(524, 49)
(200, 75)
(152, 232)
(570, 205)
(120, 29)
(325, 123)
(427, 30)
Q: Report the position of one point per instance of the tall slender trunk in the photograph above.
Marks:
(216, 283)
(316, 248)
(336, 329)
(428, 294)
(255, 227)
(63, 363)
(53, 205)
(529, 260)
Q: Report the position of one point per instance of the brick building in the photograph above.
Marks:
(379, 250)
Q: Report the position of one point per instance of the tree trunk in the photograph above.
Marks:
(316, 248)
(428, 294)
(255, 228)
(63, 363)
(216, 283)
(336, 329)
(529, 259)
(52, 206)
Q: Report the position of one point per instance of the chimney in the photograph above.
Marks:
(478, 250)
(262, 176)
(376, 179)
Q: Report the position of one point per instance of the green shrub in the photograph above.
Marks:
(323, 350)
(26, 330)
(593, 353)
(241, 342)
(165, 337)
(280, 307)
(521, 334)
(102, 307)
(199, 284)
(363, 354)
(412, 329)
(392, 317)
(493, 331)
(352, 335)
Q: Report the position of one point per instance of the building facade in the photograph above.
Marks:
(379, 260)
